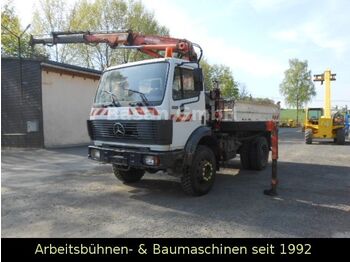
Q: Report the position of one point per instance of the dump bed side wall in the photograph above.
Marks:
(250, 111)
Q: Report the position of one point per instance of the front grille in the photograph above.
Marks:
(136, 131)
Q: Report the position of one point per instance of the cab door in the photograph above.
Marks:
(187, 106)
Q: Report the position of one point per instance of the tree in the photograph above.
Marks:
(262, 100)
(9, 23)
(223, 74)
(297, 86)
(243, 91)
(55, 15)
(207, 73)
(13, 41)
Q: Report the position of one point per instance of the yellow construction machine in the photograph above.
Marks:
(320, 123)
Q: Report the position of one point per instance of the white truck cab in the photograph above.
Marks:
(151, 104)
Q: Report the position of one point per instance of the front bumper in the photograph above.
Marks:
(126, 157)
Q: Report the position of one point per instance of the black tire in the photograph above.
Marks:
(130, 176)
(340, 137)
(308, 136)
(259, 153)
(244, 155)
(198, 179)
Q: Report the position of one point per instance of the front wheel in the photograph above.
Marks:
(308, 136)
(199, 178)
(340, 137)
(128, 176)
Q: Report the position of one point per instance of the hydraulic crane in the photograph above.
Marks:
(320, 122)
(151, 45)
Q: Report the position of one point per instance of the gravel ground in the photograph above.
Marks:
(60, 193)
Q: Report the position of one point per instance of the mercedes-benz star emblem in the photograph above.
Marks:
(118, 129)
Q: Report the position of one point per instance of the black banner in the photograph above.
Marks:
(221, 249)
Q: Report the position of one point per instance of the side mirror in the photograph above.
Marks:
(198, 79)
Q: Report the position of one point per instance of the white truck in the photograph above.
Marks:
(155, 115)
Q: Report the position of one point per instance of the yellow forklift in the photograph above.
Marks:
(320, 123)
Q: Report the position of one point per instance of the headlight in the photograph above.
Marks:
(95, 154)
(151, 160)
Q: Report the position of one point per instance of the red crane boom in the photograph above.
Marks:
(148, 44)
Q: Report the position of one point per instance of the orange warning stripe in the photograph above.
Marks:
(181, 118)
(142, 111)
(189, 118)
(153, 111)
(99, 111)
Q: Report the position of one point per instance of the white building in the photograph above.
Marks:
(51, 107)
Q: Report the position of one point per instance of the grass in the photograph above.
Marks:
(287, 114)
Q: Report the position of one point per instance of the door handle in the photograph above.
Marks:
(182, 108)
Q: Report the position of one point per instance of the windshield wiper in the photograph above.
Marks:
(142, 95)
(114, 98)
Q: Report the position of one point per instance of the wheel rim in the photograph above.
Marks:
(205, 173)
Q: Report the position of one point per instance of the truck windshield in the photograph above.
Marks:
(134, 85)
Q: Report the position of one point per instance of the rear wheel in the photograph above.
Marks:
(259, 153)
(130, 176)
(308, 136)
(199, 178)
(340, 137)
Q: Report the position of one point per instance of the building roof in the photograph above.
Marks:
(62, 68)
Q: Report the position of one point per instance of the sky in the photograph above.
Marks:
(256, 38)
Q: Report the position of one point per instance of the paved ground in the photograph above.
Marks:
(60, 193)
